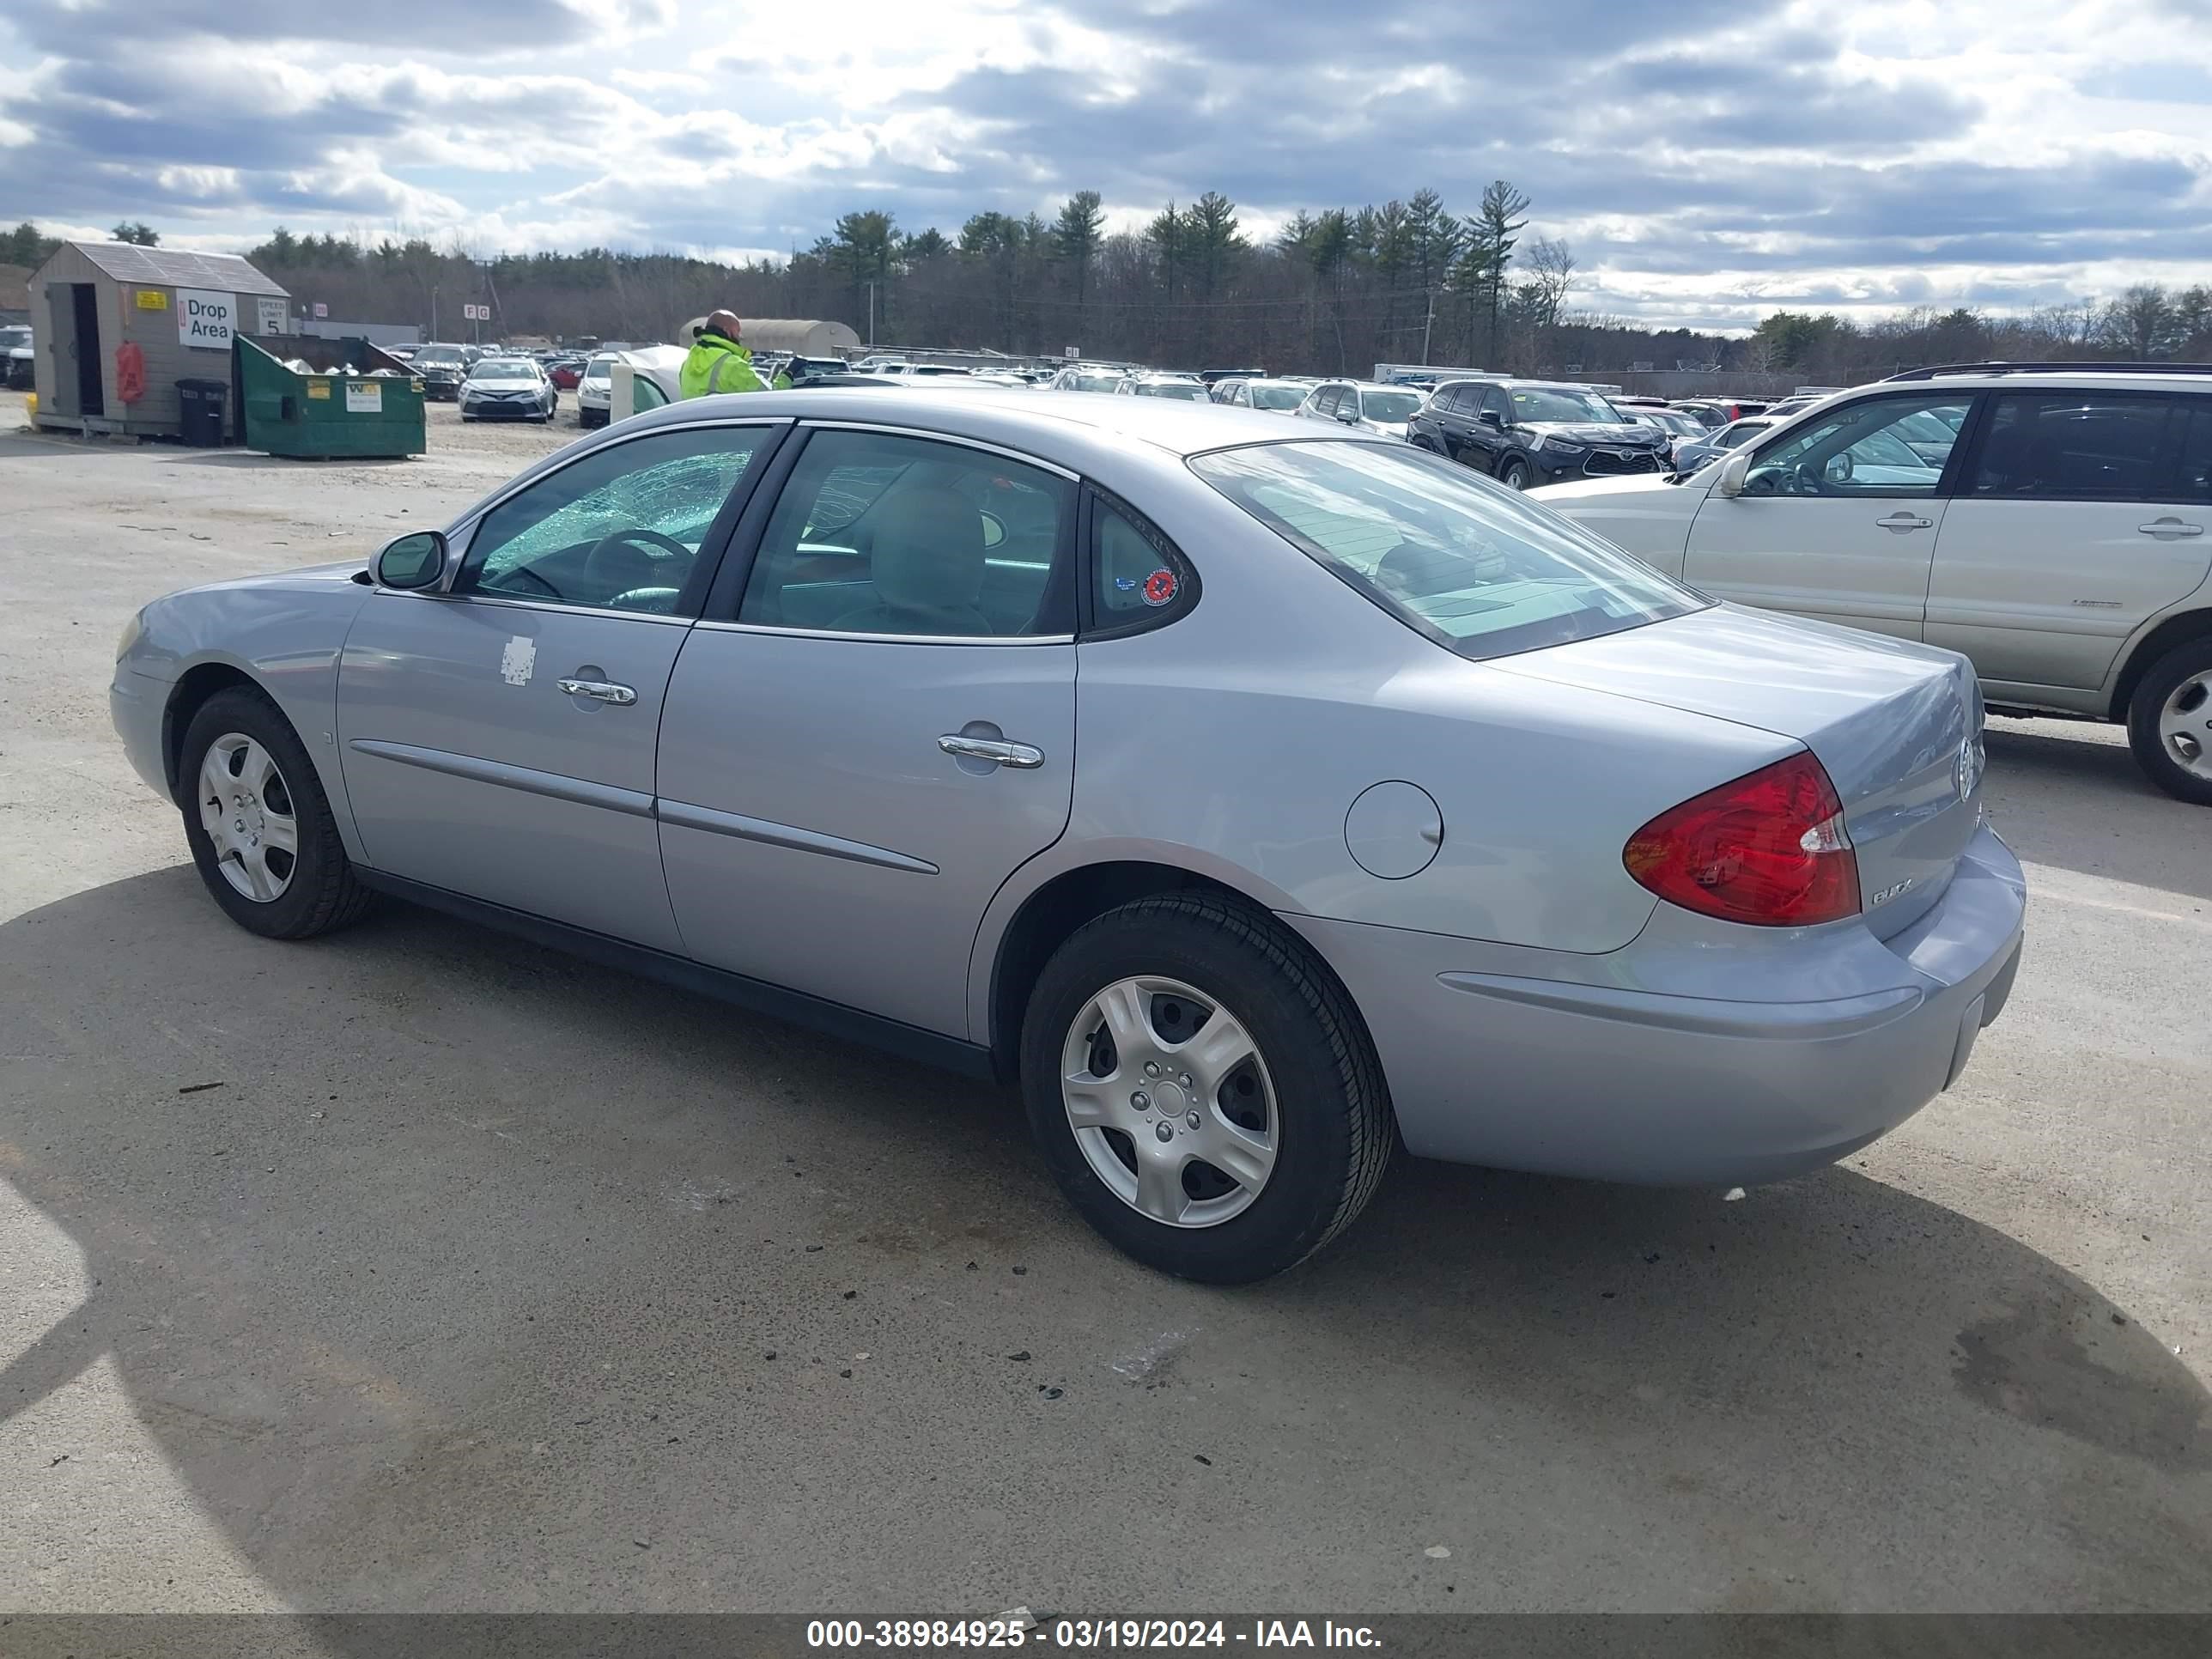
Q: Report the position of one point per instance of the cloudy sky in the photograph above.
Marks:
(1709, 160)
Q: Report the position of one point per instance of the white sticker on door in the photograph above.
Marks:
(518, 660)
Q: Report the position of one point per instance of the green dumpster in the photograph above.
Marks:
(312, 397)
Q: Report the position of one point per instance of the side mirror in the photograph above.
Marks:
(1492, 417)
(413, 562)
(1349, 416)
(1733, 475)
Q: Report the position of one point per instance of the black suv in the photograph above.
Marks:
(1527, 432)
(441, 368)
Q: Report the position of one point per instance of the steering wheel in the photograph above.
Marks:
(521, 573)
(638, 535)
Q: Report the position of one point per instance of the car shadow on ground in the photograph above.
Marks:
(455, 1201)
(2094, 810)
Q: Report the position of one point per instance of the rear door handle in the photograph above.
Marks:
(622, 696)
(1900, 521)
(1019, 755)
(2169, 526)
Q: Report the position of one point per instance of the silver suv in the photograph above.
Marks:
(2047, 520)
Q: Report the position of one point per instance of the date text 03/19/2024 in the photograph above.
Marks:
(1084, 1635)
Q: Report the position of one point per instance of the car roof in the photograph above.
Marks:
(1172, 428)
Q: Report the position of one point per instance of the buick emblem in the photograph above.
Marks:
(1966, 769)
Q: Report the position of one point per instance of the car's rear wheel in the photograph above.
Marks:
(260, 829)
(2170, 722)
(1514, 474)
(1203, 1091)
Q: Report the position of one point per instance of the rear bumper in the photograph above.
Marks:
(1607, 1078)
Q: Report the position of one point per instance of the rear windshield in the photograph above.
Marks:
(1190, 392)
(1478, 568)
(1277, 397)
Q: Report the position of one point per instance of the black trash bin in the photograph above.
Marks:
(204, 402)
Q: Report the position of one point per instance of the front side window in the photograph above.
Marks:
(876, 533)
(2072, 446)
(1880, 447)
(1496, 402)
(1324, 401)
(622, 528)
(1482, 572)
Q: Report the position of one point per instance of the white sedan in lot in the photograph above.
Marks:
(507, 389)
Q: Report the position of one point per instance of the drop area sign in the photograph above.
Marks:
(204, 319)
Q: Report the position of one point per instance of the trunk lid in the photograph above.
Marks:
(1896, 725)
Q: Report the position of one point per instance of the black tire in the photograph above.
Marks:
(322, 893)
(1333, 1110)
(2184, 662)
(1514, 474)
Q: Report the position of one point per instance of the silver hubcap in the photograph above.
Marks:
(2185, 725)
(1171, 1102)
(247, 810)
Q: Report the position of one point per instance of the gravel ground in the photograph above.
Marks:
(423, 1269)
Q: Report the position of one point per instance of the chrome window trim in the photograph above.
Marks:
(927, 434)
(559, 608)
(885, 639)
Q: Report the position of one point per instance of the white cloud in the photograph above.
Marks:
(1706, 157)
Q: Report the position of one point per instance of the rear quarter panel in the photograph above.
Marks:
(1234, 742)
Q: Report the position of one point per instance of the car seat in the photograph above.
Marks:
(927, 568)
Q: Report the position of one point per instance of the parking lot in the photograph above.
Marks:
(423, 1269)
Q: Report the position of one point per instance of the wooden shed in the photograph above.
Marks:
(181, 311)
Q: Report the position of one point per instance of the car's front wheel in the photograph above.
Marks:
(1203, 1091)
(2170, 722)
(1514, 474)
(260, 829)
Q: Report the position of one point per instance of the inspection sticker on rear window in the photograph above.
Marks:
(1160, 587)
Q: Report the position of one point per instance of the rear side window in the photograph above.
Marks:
(1479, 570)
(881, 534)
(2193, 465)
(1325, 400)
(2073, 446)
(1138, 577)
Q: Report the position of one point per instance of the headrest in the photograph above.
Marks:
(928, 553)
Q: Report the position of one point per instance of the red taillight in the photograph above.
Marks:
(1768, 849)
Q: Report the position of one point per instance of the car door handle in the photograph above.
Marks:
(1017, 754)
(622, 696)
(2169, 526)
(1898, 523)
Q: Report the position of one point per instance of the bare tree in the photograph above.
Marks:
(1551, 266)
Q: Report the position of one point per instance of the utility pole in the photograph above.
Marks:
(872, 314)
(434, 311)
(1428, 326)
